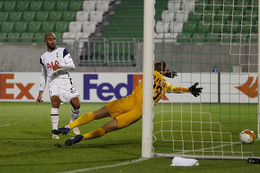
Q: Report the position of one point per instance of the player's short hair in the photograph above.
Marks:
(46, 35)
(160, 66)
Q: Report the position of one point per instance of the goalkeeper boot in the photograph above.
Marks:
(63, 130)
(76, 131)
(74, 140)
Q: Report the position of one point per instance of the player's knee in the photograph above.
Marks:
(55, 101)
(75, 103)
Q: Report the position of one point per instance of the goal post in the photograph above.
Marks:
(148, 57)
(214, 43)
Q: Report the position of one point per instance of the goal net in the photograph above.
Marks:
(215, 43)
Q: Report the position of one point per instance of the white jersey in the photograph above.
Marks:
(61, 76)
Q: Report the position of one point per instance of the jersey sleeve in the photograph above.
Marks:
(43, 76)
(68, 62)
(176, 89)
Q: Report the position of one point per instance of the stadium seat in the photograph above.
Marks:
(34, 27)
(231, 29)
(189, 27)
(58, 36)
(162, 27)
(22, 6)
(15, 16)
(61, 26)
(3, 36)
(217, 27)
(96, 16)
(55, 16)
(9, 6)
(81, 37)
(184, 37)
(75, 27)
(68, 37)
(212, 38)
(167, 16)
(13, 37)
(174, 6)
(82, 16)
(207, 18)
(62, 5)
(48, 5)
(69, 16)
(102, 6)
(39, 37)
(75, 5)
(35, 5)
(20, 27)
(47, 27)
(27, 37)
(194, 18)
(181, 17)
(176, 27)
(246, 28)
(199, 37)
(4, 16)
(1, 5)
(7, 27)
(42, 16)
(29, 16)
(89, 5)
(89, 27)
(187, 6)
(201, 28)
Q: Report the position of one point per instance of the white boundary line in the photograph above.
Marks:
(5, 125)
(107, 166)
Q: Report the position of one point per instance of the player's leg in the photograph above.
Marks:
(86, 118)
(55, 100)
(108, 127)
(118, 122)
(75, 111)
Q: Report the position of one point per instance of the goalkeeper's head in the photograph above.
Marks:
(160, 66)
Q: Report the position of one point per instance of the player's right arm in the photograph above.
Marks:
(42, 83)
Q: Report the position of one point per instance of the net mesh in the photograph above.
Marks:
(213, 43)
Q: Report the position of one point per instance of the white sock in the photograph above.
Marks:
(74, 114)
(55, 118)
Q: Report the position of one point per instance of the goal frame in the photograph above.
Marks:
(148, 58)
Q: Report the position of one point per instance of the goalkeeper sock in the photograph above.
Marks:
(95, 134)
(74, 114)
(54, 118)
(84, 119)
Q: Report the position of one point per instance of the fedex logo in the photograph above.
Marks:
(106, 91)
(6, 86)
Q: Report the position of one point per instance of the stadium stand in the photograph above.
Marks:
(202, 18)
(30, 19)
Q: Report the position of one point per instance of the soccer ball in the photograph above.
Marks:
(247, 136)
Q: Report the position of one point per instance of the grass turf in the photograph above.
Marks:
(26, 146)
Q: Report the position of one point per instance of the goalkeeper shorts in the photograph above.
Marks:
(126, 110)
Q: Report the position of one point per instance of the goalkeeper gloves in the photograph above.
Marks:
(195, 91)
(170, 73)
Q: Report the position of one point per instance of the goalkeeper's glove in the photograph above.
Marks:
(170, 73)
(195, 91)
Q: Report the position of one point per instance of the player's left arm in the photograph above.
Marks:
(194, 90)
(68, 63)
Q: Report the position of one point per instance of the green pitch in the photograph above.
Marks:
(26, 144)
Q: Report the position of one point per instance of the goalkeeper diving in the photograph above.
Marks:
(128, 110)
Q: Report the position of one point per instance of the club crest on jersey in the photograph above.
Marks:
(50, 65)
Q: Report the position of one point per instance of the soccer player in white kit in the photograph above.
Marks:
(55, 63)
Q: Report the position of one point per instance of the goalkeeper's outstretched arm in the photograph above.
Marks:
(193, 89)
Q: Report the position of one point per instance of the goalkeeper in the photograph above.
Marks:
(127, 110)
